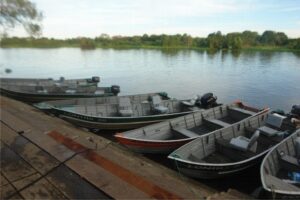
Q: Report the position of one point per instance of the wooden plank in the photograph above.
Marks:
(42, 189)
(37, 158)
(73, 186)
(182, 187)
(58, 151)
(140, 183)
(16, 197)
(6, 188)
(13, 166)
(25, 181)
(104, 180)
(14, 122)
(8, 136)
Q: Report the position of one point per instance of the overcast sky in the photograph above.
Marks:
(73, 18)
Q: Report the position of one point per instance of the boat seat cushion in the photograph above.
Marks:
(186, 132)
(161, 109)
(226, 149)
(156, 105)
(289, 163)
(275, 120)
(244, 144)
(125, 107)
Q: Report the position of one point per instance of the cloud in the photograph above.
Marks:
(69, 18)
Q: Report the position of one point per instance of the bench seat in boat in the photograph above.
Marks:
(226, 149)
(185, 132)
(289, 163)
(268, 131)
(218, 122)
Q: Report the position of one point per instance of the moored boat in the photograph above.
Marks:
(37, 90)
(125, 112)
(167, 136)
(280, 169)
(50, 106)
(233, 149)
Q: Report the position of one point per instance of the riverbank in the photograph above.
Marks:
(269, 40)
(176, 48)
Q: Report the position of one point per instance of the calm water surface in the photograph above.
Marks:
(259, 78)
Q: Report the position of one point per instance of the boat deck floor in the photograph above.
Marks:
(46, 157)
(202, 129)
(217, 157)
(228, 119)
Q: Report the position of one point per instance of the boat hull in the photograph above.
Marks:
(112, 123)
(200, 171)
(35, 98)
(140, 146)
(276, 195)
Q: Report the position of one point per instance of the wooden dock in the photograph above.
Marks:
(43, 157)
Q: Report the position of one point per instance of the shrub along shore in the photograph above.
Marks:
(269, 40)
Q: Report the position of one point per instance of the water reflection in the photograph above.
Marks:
(171, 51)
(257, 77)
(297, 53)
(236, 53)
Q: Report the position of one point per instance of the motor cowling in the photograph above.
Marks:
(296, 110)
(208, 100)
(115, 89)
(96, 79)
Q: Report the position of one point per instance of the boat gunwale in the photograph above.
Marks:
(221, 164)
(297, 131)
(36, 94)
(121, 135)
(129, 118)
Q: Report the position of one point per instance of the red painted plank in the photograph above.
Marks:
(153, 190)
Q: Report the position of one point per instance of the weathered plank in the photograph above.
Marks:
(13, 166)
(42, 189)
(6, 188)
(73, 186)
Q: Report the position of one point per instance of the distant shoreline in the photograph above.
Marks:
(258, 48)
(246, 40)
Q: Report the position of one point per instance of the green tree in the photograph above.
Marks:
(20, 12)
(268, 37)
(231, 40)
(215, 40)
(250, 38)
(237, 43)
(281, 39)
(86, 43)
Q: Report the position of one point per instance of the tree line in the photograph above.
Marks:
(214, 41)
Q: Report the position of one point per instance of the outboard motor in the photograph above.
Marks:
(115, 89)
(208, 100)
(296, 110)
(96, 79)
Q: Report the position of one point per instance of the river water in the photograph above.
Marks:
(259, 78)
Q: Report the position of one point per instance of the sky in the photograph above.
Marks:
(91, 18)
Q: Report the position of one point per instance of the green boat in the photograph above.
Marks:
(38, 90)
(123, 112)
